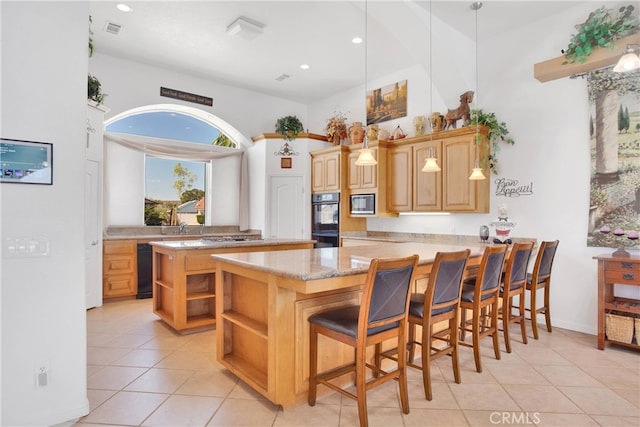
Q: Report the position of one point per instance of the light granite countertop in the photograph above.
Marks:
(322, 263)
(207, 243)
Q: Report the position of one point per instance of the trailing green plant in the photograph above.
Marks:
(94, 91)
(289, 127)
(223, 140)
(90, 38)
(498, 132)
(600, 29)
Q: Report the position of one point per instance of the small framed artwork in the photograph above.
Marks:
(285, 163)
(26, 162)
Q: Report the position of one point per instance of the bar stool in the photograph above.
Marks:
(381, 316)
(440, 302)
(481, 296)
(540, 278)
(514, 284)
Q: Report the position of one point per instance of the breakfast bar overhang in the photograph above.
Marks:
(265, 298)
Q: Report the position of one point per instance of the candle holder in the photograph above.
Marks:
(631, 236)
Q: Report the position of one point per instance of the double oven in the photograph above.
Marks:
(325, 217)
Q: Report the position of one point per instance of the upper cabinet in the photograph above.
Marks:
(325, 169)
(362, 178)
(450, 190)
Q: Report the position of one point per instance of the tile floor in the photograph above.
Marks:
(140, 373)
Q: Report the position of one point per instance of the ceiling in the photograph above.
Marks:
(190, 37)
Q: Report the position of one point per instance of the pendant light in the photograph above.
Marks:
(629, 61)
(431, 164)
(366, 155)
(476, 173)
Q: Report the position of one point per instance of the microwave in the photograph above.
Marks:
(363, 204)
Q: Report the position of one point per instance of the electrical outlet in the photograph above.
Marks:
(42, 374)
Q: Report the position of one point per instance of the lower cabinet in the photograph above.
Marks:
(119, 271)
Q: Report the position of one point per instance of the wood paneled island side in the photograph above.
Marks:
(265, 298)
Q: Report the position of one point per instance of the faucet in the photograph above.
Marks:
(182, 228)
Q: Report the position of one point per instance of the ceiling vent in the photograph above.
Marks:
(246, 28)
(112, 28)
(282, 77)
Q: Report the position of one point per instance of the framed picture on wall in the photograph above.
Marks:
(26, 162)
(285, 163)
(387, 103)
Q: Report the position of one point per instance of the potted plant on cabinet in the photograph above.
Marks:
(498, 132)
(94, 91)
(289, 127)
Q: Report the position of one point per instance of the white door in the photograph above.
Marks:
(92, 233)
(287, 207)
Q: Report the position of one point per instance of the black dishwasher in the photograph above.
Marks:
(145, 267)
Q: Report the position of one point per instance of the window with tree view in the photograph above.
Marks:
(175, 190)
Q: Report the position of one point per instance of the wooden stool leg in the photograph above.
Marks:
(547, 311)
(534, 312)
(453, 337)
(475, 333)
(494, 329)
(313, 365)
(361, 387)
(402, 380)
(426, 360)
(506, 317)
(523, 324)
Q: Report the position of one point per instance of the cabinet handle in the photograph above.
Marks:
(626, 265)
(628, 276)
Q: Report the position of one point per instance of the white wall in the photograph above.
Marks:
(549, 122)
(44, 86)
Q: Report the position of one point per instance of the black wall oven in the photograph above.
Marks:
(325, 217)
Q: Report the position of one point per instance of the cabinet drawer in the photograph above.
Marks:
(629, 267)
(119, 286)
(119, 264)
(199, 263)
(621, 276)
(120, 247)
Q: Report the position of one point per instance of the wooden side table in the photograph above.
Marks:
(616, 269)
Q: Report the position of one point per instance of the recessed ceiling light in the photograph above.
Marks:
(305, 66)
(123, 7)
(356, 40)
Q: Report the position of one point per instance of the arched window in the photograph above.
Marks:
(179, 144)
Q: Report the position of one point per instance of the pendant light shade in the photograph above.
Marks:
(629, 61)
(431, 164)
(476, 172)
(366, 158)
(366, 155)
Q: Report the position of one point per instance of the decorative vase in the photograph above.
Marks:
(356, 133)
(372, 132)
(336, 138)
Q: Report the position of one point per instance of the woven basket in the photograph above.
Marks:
(619, 328)
(637, 321)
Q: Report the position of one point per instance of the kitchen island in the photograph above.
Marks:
(184, 276)
(265, 298)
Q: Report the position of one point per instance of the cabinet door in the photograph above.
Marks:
(354, 171)
(362, 177)
(458, 190)
(400, 179)
(317, 177)
(332, 172)
(427, 194)
(369, 174)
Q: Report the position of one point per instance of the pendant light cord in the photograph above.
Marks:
(366, 48)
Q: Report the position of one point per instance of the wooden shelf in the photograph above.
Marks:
(200, 295)
(626, 305)
(258, 328)
(247, 372)
(554, 69)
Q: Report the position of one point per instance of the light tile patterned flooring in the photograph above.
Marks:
(140, 373)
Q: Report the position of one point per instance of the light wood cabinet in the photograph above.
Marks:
(326, 169)
(622, 271)
(120, 273)
(450, 190)
(362, 177)
(184, 294)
